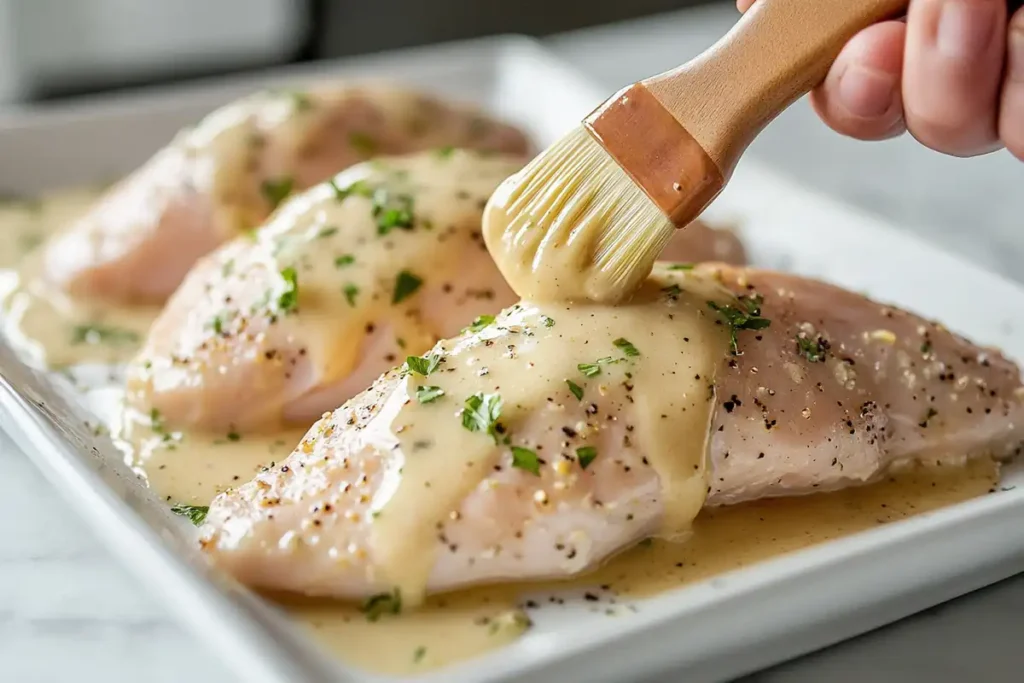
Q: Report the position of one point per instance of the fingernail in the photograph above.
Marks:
(865, 92)
(966, 27)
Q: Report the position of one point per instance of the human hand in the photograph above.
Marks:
(952, 74)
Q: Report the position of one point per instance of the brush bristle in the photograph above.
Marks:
(572, 225)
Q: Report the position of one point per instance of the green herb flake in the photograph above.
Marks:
(301, 100)
(480, 323)
(351, 292)
(481, 413)
(406, 285)
(423, 365)
(926, 347)
(418, 654)
(428, 394)
(375, 606)
(218, 325)
(392, 210)
(276, 190)
(344, 260)
(813, 349)
(328, 231)
(288, 300)
(445, 152)
(546, 321)
(234, 436)
(745, 316)
(576, 389)
(681, 266)
(672, 291)
(362, 143)
(586, 455)
(589, 369)
(102, 334)
(626, 347)
(195, 513)
(359, 188)
(525, 459)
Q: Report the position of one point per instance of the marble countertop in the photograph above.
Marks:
(69, 612)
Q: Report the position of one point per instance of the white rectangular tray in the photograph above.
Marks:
(713, 630)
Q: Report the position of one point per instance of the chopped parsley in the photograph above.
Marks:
(350, 291)
(594, 369)
(406, 285)
(926, 347)
(419, 654)
(380, 604)
(672, 291)
(428, 394)
(445, 152)
(525, 459)
(288, 300)
(626, 347)
(276, 190)
(195, 513)
(586, 455)
(359, 188)
(328, 231)
(481, 413)
(745, 316)
(218, 325)
(101, 334)
(391, 210)
(813, 350)
(681, 266)
(423, 365)
(156, 421)
(234, 436)
(480, 323)
(301, 100)
(344, 260)
(546, 321)
(362, 143)
(576, 389)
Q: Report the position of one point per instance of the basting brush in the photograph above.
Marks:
(586, 219)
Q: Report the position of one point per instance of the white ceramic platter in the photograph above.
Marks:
(709, 631)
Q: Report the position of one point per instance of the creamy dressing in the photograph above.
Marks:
(455, 627)
(344, 281)
(526, 363)
(191, 467)
(49, 328)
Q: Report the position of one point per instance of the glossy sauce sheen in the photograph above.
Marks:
(191, 467)
(48, 327)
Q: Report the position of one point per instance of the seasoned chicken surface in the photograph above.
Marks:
(540, 444)
(227, 174)
(344, 282)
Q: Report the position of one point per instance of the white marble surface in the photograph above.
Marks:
(69, 613)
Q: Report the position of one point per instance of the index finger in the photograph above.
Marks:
(744, 5)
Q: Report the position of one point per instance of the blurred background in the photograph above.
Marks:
(59, 48)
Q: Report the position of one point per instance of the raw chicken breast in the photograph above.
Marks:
(228, 173)
(344, 282)
(541, 444)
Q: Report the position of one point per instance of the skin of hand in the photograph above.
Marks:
(951, 73)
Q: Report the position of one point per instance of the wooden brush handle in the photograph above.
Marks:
(778, 51)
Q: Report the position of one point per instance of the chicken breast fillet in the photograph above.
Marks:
(342, 283)
(541, 444)
(227, 174)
